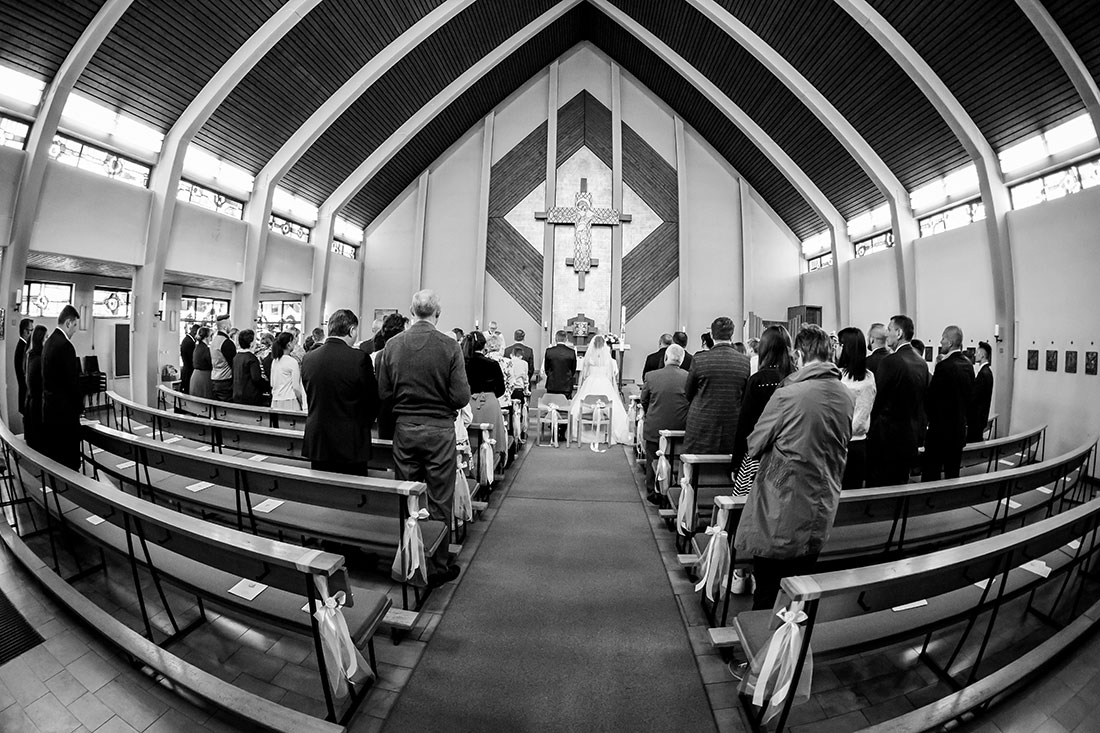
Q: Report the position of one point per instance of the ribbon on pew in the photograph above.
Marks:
(639, 430)
(409, 565)
(517, 421)
(342, 659)
(555, 423)
(463, 503)
(686, 507)
(597, 425)
(777, 662)
(714, 565)
(486, 460)
(663, 472)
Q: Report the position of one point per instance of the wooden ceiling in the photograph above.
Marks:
(988, 54)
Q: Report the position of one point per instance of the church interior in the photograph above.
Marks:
(568, 169)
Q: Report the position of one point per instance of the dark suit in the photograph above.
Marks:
(875, 358)
(32, 418)
(716, 388)
(187, 359)
(343, 401)
(21, 374)
(945, 405)
(896, 417)
(656, 361)
(664, 399)
(560, 365)
(980, 399)
(62, 402)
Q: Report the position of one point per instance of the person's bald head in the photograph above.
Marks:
(952, 339)
(876, 336)
(665, 340)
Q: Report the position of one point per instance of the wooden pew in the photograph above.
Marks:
(673, 441)
(199, 557)
(269, 417)
(852, 610)
(365, 512)
(904, 520)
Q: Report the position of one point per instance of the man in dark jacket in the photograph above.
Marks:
(664, 399)
(981, 398)
(716, 387)
(681, 339)
(62, 402)
(876, 342)
(26, 326)
(896, 418)
(249, 384)
(525, 352)
(342, 395)
(945, 405)
(560, 365)
(422, 373)
(187, 358)
(656, 360)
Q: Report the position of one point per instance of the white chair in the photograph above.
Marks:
(553, 410)
(596, 413)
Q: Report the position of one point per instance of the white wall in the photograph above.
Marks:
(818, 289)
(11, 164)
(288, 265)
(388, 279)
(643, 330)
(205, 243)
(954, 285)
(874, 289)
(774, 259)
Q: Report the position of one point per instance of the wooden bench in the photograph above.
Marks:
(852, 610)
(1012, 450)
(201, 558)
(365, 512)
(229, 411)
(893, 521)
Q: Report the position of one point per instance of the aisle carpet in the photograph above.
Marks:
(564, 620)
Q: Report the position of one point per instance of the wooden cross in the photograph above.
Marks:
(583, 217)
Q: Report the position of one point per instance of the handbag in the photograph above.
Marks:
(746, 475)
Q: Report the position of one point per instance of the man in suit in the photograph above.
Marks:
(187, 358)
(25, 327)
(876, 341)
(342, 395)
(664, 399)
(525, 352)
(560, 366)
(681, 339)
(945, 406)
(898, 411)
(62, 402)
(716, 387)
(980, 399)
(656, 360)
(421, 372)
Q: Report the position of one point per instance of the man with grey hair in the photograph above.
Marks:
(664, 399)
(876, 342)
(422, 374)
(945, 405)
(656, 360)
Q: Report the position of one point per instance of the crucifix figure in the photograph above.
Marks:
(583, 217)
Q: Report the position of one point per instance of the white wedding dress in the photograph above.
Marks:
(600, 376)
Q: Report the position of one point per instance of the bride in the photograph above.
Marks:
(599, 376)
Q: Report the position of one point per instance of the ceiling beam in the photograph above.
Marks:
(28, 195)
(991, 181)
(258, 209)
(1067, 56)
(838, 228)
(164, 183)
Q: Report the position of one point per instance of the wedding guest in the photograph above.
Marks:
(421, 371)
(200, 378)
(26, 326)
(32, 417)
(318, 339)
(486, 380)
(946, 405)
(287, 392)
(664, 400)
(526, 352)
(62, 401)
(876, 335)
(222, 351)
(706, 341)
(656, 360)
(860, 381)
(187, 358)
(896, 417)
(392, 324)
(265, 341)
(716, 387)
(681, 339)
(982, 397)
(800, 440)
(560, 366)
(249, 384)
(739, 347)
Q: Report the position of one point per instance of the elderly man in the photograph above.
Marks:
(716, 386)
(876, 342)
(801, 440)
(664, 399)
(422, 374)
(945, 406)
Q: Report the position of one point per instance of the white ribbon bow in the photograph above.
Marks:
(686, 507)
(555, 422)
(780, 658)
(409, 564)
(714, 565)
(485, 456)
(517, 420)
(342, 660)
(463, 502)
(597, 426)
(663, 471)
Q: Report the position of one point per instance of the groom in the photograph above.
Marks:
(560, 366)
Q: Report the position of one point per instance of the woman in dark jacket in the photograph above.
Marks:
(486, 385)
(204, 366)
(775, 366)
(32, 411)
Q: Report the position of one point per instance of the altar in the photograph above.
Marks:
(581, 330)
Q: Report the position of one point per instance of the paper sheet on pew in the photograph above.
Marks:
(983, 584)
(1011, 504)
(258, 458)
(248, 589)
(910, 606)
(267, 505)
(125, 464)
(199, 486)
(1074, 544)
(93, 519)
(96, 451)
(204, 447)
(173, 439)
(1038, 567)
(1044, 490)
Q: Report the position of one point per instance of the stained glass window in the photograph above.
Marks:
(290, 228)
(46, 300)
(1055, 185)
(280, 315)
(344, 250)
(13, 133)
(88, 157)
(210, 200)
(110, 303)
(876, 243)
(953, 218)
(824, 260)
(201, 311)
